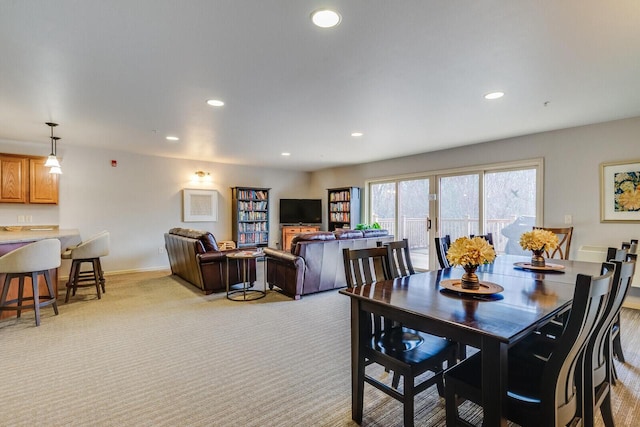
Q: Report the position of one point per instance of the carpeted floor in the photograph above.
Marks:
(154, 351)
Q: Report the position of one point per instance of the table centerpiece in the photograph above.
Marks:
(469, 253)
(538, 241)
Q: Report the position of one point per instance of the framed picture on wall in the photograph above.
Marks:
(199, 205)
(620, 191)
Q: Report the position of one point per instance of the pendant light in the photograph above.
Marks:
(52, 161)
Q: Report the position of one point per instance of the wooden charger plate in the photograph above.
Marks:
(486, 288)
(547, 266)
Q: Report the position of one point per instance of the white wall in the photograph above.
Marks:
(572, 160)
(141, 198)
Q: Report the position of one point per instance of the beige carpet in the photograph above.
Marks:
(156, 352)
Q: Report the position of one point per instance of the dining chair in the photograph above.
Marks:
(564, 241)
(598, 375)
(399, 259)
(442, 246)
(540, 392)
(488, 237)
(631, 246)
(616, 340)
(406, 352)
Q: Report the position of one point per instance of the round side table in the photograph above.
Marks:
(245, 293)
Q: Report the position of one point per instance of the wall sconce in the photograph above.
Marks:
(52, 161)
(201, 176)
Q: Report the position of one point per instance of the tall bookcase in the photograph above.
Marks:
(250, 216)
(344, 207)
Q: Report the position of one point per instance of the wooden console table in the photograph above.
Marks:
(288, 231)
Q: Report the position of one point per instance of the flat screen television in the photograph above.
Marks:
(300, 211)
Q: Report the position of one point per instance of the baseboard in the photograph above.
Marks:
(632, 302)
(118, 272)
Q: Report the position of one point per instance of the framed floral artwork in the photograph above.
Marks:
(620, 191)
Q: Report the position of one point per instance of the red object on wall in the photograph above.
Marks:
(114, 163)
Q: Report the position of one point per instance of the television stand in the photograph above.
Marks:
(288, 231)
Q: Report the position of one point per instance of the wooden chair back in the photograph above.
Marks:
(559, 397)
(399, 259)
(564, 241)
(442, 246)
(488, 237)
(365, 266)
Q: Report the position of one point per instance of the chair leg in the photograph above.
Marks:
(102, 281)
(5, 290)
(617, 348)
(52, 295)
(71, 281)
(358, 398)
(409, 398)
(36, 296)
(395, 382)
(606, 411)
(451, 405)
(20, 294)
(96, 275)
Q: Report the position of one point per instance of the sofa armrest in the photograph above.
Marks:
(286, 271)
(209, 257)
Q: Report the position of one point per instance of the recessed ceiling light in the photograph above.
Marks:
(215, 103)
(494, 95)
(173, 138)
(285, 154)
(357, 134)
(325, 18)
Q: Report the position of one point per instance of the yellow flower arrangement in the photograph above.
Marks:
(470, 252)
(538, 240)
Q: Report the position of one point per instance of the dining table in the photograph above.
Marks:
(524, 299)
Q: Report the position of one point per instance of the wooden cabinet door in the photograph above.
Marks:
(287, 235)
(43, 186)
(13, 179)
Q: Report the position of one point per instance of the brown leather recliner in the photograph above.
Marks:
(194, 256)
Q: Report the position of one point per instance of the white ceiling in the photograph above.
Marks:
(410, 75)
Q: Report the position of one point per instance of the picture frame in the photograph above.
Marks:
(199, 205)
(620, 191)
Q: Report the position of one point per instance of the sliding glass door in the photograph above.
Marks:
(504, 200)
(402, 207)
(459, 205)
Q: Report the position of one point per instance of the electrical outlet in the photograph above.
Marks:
(568, 219)
(29, 218)
(161, 250)
(20, 218)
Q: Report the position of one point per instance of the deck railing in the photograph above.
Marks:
(415, 229)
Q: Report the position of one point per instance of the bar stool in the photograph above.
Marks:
(31, 260)
(88, 251)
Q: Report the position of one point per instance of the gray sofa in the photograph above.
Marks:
(315, 262)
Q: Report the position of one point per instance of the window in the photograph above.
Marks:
(502, 199)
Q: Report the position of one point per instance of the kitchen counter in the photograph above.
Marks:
(35, 234)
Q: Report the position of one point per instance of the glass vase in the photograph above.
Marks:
(537, 260)
(470, 279)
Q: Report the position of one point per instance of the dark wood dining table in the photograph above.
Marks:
(491, 323)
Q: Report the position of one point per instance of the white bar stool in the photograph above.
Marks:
(88, 251)
(31, 260)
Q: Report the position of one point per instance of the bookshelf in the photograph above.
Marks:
(344, 207)
(250, 216)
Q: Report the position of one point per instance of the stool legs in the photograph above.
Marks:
(77, 276)
(19, 301)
